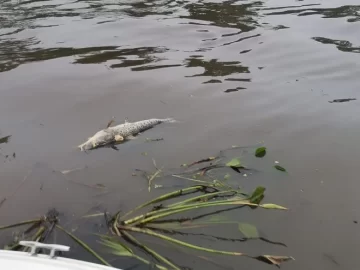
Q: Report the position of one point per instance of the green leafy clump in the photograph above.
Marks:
(260, 152)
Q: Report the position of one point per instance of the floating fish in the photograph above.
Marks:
(117, 134)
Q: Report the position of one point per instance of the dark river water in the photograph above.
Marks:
(230, 72)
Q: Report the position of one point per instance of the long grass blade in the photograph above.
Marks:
(93, 215)
(116, 220)
(174, 210)
(120, 249)
(166, 196)
(190, 179)
(83, 245)
(150, 251)
(20, 224)
(36, 237)
(201, 197)
(275, 260)
(39, 234)
(176, 241)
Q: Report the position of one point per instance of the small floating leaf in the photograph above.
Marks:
(260, 152)
(144, 153)
(278, 167)
(273, 206)
(5, 139)
(257, 195)
(275, 260)
(248, 230)
(235, 163)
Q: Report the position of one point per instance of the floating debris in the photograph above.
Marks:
(201, 161)
(212, 81)
(234, 89)
(5, 139)
(278, 167)
(342, 100)
(154, 140)
(72, 170)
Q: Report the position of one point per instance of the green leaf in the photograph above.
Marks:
(257, 195)
(273, 206)
(260, 152)
(278, 167)
(248, 230)
(235, 162)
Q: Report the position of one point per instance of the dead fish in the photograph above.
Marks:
(120, 133)
(342, 100)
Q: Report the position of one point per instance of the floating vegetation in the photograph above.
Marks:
(5, 139)
(341, 100)
(278, 167)
(260, 152)
(40, 229)
(172, 215)
(154, 140)
(160, 221)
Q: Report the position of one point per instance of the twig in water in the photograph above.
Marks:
(202, 161)
(153, 177)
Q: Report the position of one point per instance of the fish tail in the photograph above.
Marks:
(168, 120)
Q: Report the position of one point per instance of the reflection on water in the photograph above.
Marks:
(225, 14)
(215, 68)
(232, 72)
(43, 14)
(342, 45)
(18, 18)
(350, 12)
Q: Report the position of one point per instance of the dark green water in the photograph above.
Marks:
(231, 72)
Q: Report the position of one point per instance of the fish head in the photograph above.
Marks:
(101, 138)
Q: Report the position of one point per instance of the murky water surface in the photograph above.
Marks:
(230, 72)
